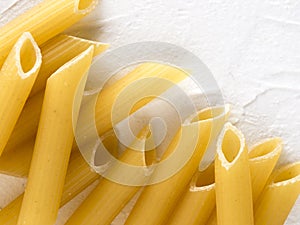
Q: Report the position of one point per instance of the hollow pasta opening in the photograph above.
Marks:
(206, 177)
(85, 4)
(230, 145)
(288, 173)
(27, 56)
(265, 148)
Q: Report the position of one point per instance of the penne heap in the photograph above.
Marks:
(17, 76)
(44, 21)
(54, 142)
(157, 201)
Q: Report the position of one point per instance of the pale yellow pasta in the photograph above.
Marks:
(53, 142)
(108, 198)
(196, 205)
(279, 196)
(233, 182)
(79, 176)
(17, 76)
(262, 160)
(157, 201)
(44, 21)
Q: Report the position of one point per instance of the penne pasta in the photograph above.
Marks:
(279, 196)
(79, 176)
(157, 201)
(107, 97)
(44, 21)
(54, 142)
(109, 197)
(196, 205)
(233, 181)
(16, 80)
(263, 157)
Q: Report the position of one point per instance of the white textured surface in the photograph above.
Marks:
(252, 47)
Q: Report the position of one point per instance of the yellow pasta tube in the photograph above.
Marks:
(107, 97)
(262, 160)
(53, 142)
(233, 181)
(79, 176)
(44, 21)
(108, 198)
(196, 205)
(16, 80)
(58, 51)
(279, 196)
(157, 201)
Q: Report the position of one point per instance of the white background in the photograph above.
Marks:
(251, 46)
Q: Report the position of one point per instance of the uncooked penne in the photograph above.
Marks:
(233, 182)
(44, 21)
(79, 176)
(16, 80)
(108, 198)
(196, 205)
(279, 196)
(54, 142)
(157, 201)
(262, 160)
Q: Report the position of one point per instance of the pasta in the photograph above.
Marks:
(109, 197)
(79, 176)
(279, 196)
(196, 205)
(53, 17)
(263, 157)
(157, 201)
(53, 142)
(16, 80)
(233, 182)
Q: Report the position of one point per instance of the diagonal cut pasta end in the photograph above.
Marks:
(85, 6)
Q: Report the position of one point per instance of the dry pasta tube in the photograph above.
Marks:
(262, 157)
(155, 73)
(79, 176)
(58, 51)
(108, 198)
(279, 196)
(44, 21)
(233, 182)
(157, 201)
(262, 160)
(16, 80)
(196, 205)
(54, 142)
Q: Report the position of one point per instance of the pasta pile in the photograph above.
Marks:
(43, 71)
